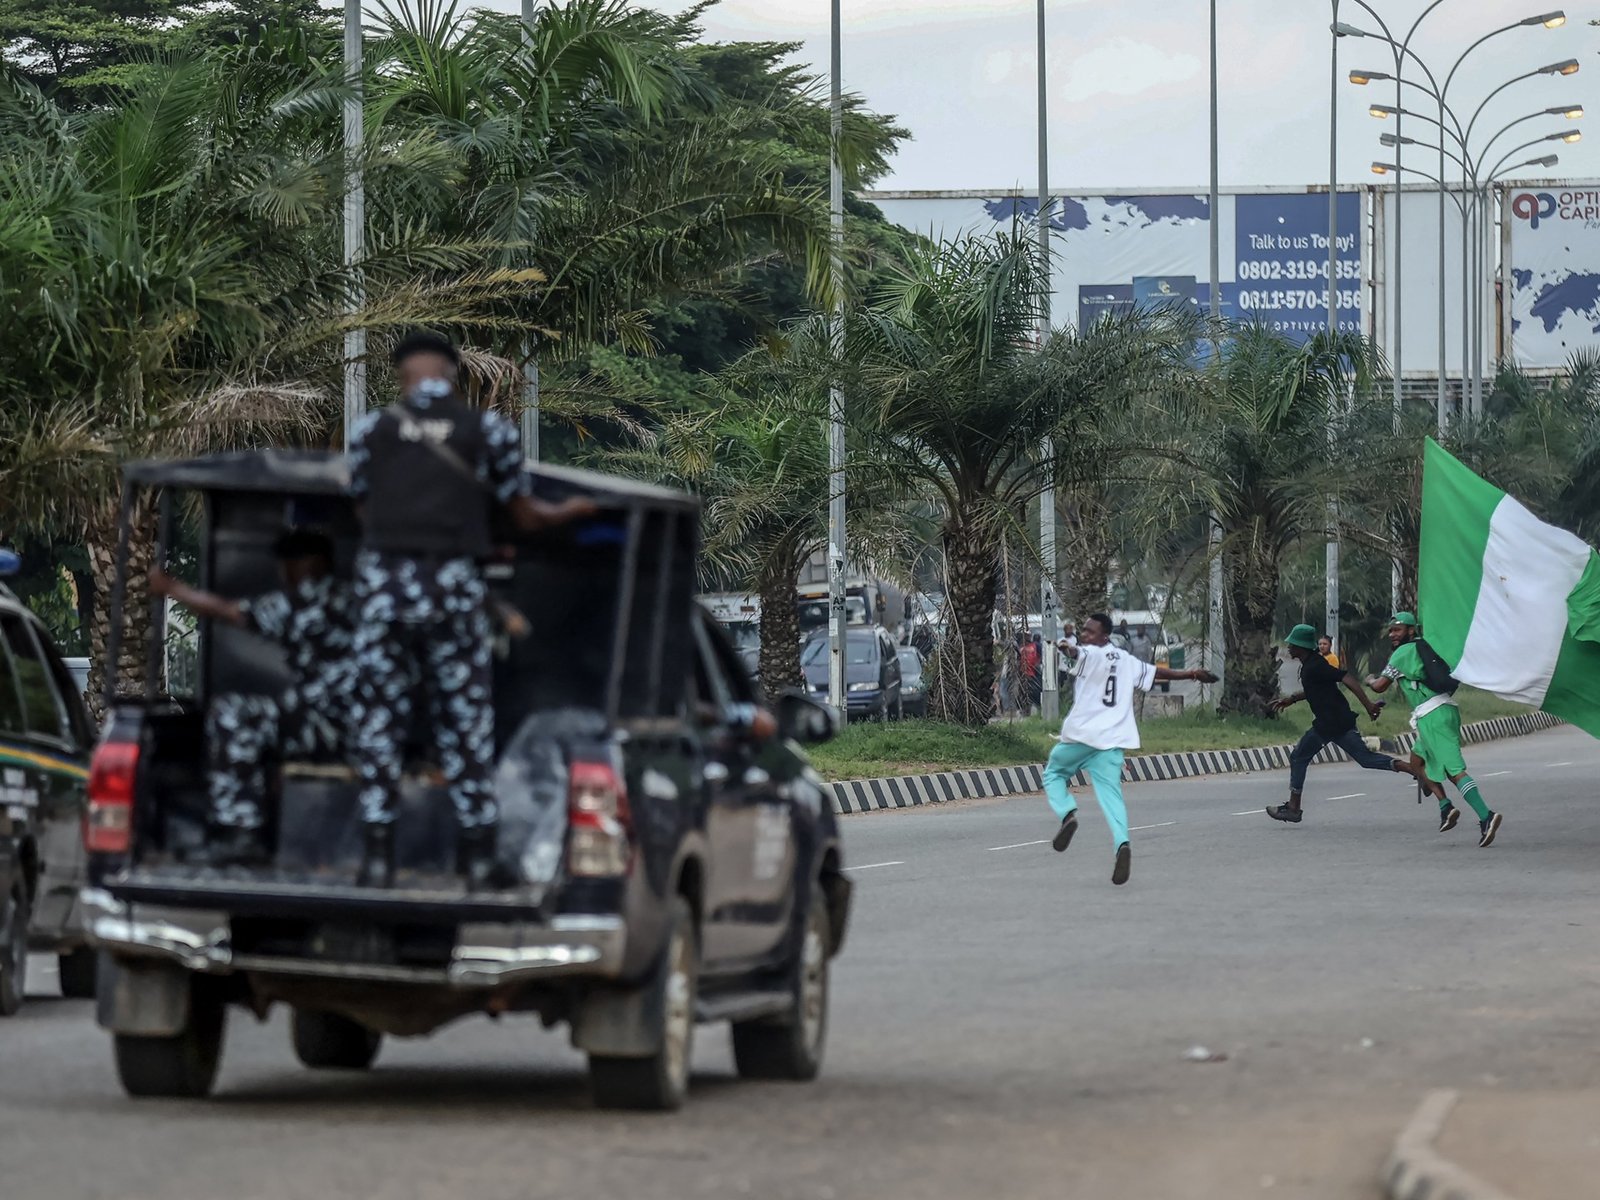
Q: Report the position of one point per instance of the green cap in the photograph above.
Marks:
(1404, 618)
(1302, 637)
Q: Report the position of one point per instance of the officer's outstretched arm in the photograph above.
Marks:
(202, 604)
(533, 515)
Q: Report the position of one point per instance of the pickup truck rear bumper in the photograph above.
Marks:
(486, 954)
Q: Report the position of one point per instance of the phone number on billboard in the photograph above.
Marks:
(1294, 268)
(1259, 301)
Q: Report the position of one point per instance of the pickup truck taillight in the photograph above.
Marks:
(599, 842)
(108, 825)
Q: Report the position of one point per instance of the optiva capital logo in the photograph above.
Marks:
(1533, 207)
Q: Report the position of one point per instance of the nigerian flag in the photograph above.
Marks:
(1513, 602)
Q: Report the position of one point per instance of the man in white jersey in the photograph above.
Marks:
(1098, 729)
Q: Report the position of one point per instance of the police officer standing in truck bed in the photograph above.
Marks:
(427, 474)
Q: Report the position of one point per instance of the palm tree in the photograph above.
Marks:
(756, 454)
(952, 401)
(1265, 443)
(174, 290)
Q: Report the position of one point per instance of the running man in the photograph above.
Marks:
(1437, 720)
(1098, 729)
(1333, 720)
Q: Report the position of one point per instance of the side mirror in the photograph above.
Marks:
(804, 719)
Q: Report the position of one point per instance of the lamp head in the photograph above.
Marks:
(1383, 111)
(1575, 135)
(1379, 168)
(1566, 67)
(1550, 20)
(1571, 113)
(1345, 29)
(1362, 78)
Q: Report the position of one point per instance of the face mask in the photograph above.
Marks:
(429, 390)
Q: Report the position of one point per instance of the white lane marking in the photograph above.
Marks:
(1351, 796)
(1019, 845)
(1251, 812)
(869, 866)
(1158, 825)
(1565, 764)
(1495, 774)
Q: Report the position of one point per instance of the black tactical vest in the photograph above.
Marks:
(424, 496)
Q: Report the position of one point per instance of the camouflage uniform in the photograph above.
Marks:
(423, 622)
(315, 626)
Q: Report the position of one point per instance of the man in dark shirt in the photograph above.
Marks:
(312, 618)
(1333, 720)
(427, 474)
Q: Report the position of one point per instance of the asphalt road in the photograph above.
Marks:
(1005, 1024)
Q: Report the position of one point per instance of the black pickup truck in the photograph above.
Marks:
(668, 864)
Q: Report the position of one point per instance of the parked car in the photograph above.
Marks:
(46, 737)
(913, 690)
(872, 672)
(664, 857)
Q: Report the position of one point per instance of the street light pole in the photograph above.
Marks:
(1216, 647)
(836, 510)
(530, 363)
(355, 222)
(1049, 605)
(1331, 626)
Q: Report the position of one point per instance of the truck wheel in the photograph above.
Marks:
(78, 970)
(328, 1040)
(790, 1047)
(13, 949)
(183, 1066)
(661, 1081)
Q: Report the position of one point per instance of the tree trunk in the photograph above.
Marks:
(780, 627)
(1087, 551)
(1250, 681)
(963, 685)
(100, 540)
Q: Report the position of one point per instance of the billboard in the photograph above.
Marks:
(1116, 251)
(1554, 276)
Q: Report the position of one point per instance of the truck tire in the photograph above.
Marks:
(13, 949)
(790, 1046)
(660, 1082)
(324, 1040)
(78, 970)
(184, 1066)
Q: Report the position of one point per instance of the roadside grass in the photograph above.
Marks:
(867, 750)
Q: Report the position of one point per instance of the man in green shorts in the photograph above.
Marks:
(1437, 720)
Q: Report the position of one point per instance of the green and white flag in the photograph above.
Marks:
(1513, 602)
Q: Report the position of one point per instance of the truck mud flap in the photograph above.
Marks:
(144, 999)
(621, 1022)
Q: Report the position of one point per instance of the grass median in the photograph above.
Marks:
(869, 751)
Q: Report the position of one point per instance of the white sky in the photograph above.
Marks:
(1128, 83)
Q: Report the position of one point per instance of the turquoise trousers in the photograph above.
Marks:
(1104, 768)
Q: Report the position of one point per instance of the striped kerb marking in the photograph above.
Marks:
(915, 791)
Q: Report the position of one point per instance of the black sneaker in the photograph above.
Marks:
(1448, 818)
(1487, 828)
(1069, 826)
(1284, 813)
(1120, 873)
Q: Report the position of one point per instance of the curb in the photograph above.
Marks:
(913, 791)
(1416, 1171)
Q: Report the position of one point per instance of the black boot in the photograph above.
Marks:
(377, 856)
(475, 862)
(236, 846)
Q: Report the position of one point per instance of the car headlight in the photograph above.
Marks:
(863, 687)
